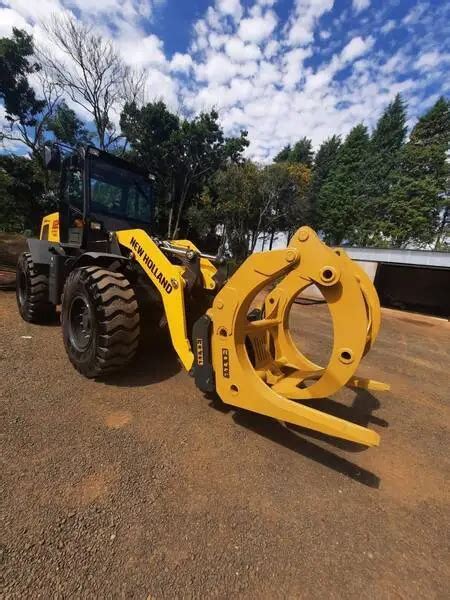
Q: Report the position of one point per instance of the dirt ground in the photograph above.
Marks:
(140, 487)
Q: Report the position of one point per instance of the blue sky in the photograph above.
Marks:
(280, 69)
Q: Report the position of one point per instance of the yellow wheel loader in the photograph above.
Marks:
(98, 259)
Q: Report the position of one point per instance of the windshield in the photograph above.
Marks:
(120, 192)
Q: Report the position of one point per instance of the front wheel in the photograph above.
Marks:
(32, 291)
(100, 320)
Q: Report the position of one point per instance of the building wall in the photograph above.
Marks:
(420, 289)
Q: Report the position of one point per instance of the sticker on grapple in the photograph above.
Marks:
(225, 363)
(200, 352)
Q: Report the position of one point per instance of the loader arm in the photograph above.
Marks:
(168, 280)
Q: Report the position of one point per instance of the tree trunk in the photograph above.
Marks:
(179, 213)
(272, 237)
(442, 227)
(169, 225)
(170, 197)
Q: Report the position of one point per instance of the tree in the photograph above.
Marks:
(419, 192)
(324, 162)
(67, 127)
(183, 154)
(150, 131)
(22, 187)
(298, 208)
(232, 200)
(26, 114)
(247, 201)
(383, 164)
(341, 198)
(301, 152)
(283, 155)
(201, 150)
(284, 199)
(93, 74)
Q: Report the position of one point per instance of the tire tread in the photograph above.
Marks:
(117, 316)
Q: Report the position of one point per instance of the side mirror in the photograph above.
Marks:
(52, 158)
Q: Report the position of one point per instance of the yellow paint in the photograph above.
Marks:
(271, 383)
(159, 269)
(274, 384)
(207, 268)
(52, 222)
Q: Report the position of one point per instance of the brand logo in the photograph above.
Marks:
(163, 281)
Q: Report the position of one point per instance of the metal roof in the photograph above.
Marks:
(419, 258)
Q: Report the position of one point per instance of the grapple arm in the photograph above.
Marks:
(278, 375)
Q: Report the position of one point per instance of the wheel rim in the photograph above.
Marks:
(80, 323)
(23, 288)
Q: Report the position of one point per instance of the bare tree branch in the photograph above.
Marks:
(92, 73)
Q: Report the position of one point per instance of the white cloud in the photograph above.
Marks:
(293, 63)
(265, 76)
(268, 74)
(181, 63)
(306, 15)
(431, 59)
(213, 18)
(217, 69)
(240, 52)
(388, 26)
(257, 28)
(161, 86)
(356, 47)
(271, 48)
(149, 51)
(232, 8)
(417, 14)
(360, 5)
(10, 18)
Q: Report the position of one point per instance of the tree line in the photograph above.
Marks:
(379, 188)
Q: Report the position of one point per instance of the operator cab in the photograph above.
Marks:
(100, 193)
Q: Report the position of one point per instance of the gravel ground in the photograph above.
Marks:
(140, 487)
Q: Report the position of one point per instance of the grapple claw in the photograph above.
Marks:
(257, 365)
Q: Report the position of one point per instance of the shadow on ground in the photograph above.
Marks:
(292, 436)
(155, 361)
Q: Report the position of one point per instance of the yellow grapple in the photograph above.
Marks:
(278, 377)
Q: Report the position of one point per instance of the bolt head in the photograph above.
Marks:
(303, 234)
(290, 256)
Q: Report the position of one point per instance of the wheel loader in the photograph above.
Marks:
(116, 282)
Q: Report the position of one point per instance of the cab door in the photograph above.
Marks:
(71, 209)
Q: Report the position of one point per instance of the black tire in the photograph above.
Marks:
(32, 291)
(100, 320)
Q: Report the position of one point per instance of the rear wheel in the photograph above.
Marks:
(100, 320)
(32, 291)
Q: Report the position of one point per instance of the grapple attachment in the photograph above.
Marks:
(258, 367)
